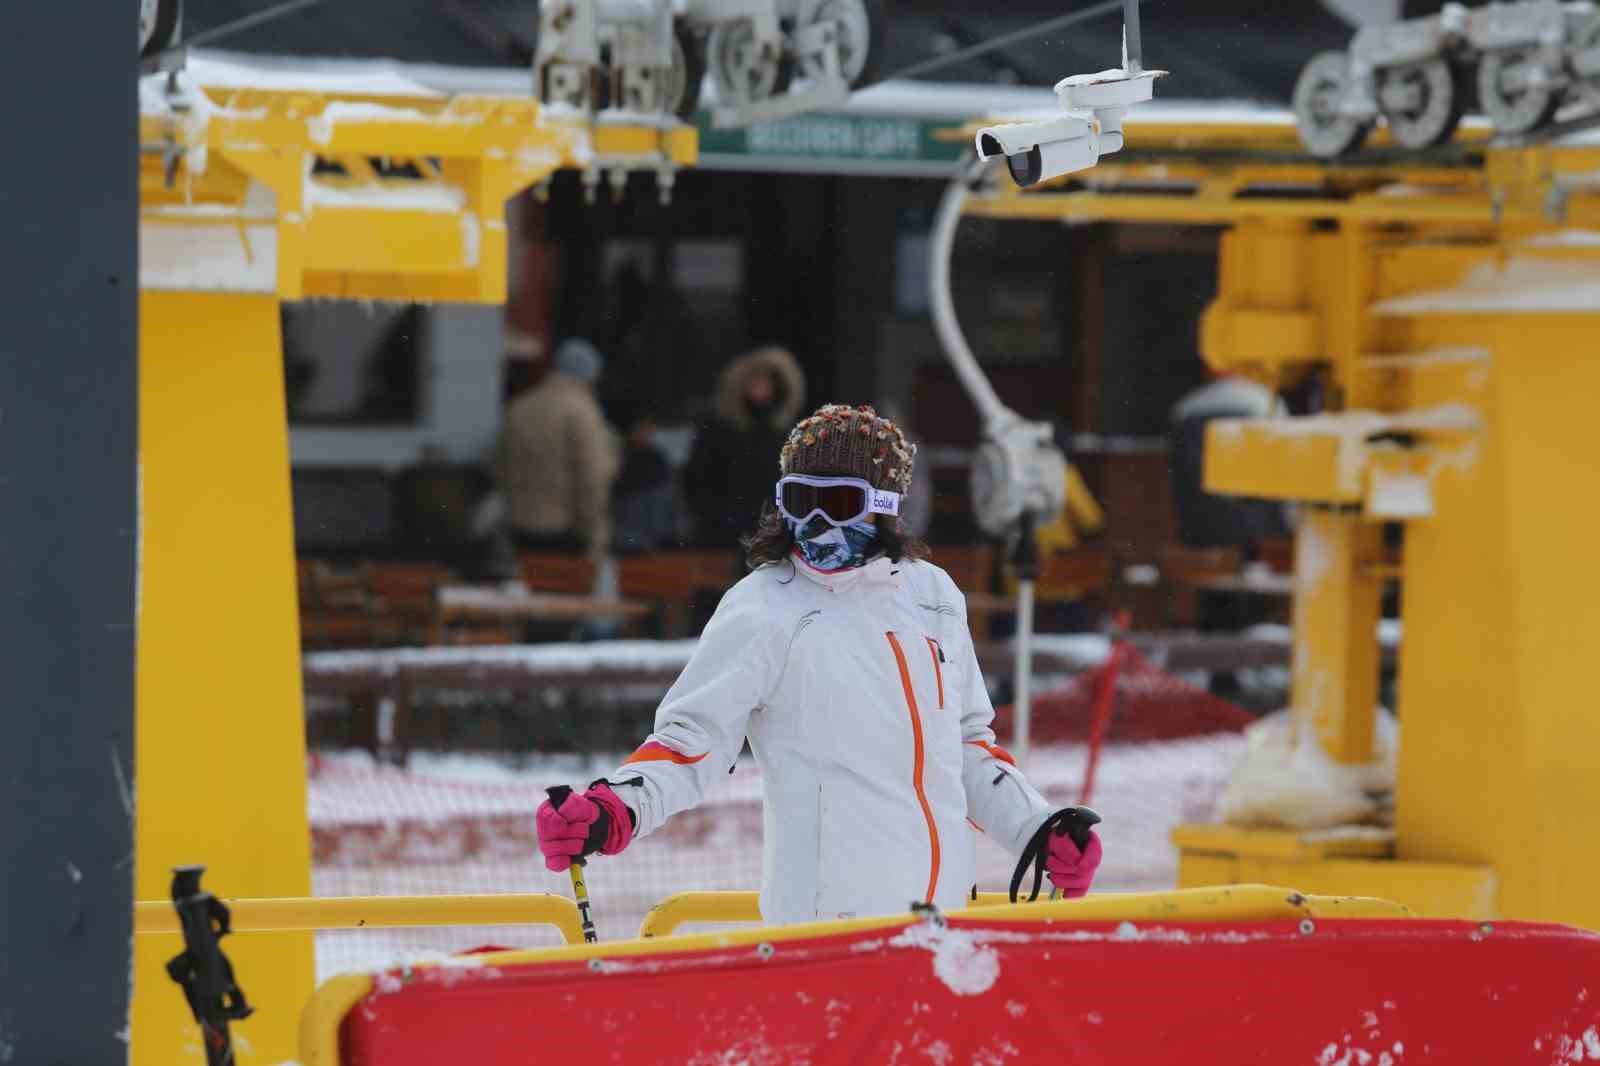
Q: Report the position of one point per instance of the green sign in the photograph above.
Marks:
(834, 143)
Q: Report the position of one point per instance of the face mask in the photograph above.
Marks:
(829, 547)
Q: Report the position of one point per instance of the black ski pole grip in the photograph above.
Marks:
(558, 795)
(1076, 822)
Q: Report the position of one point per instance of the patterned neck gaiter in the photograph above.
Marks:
(828, 547)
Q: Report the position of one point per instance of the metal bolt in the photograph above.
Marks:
(596, 965)
(1486, 928)
(1307, 927)
(765, 950)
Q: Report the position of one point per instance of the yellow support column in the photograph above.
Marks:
(1336, 608)
(1549, 380)
(1498, 666)
(220, 728)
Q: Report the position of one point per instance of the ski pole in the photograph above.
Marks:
(580, 891)
(202, 970)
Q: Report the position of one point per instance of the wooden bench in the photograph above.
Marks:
(676, 581)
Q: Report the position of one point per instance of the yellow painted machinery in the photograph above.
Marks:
(1451, 305)
(251, 197)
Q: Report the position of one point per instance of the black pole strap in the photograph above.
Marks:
(1073, 822)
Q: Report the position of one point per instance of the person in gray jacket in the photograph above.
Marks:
(557, 459)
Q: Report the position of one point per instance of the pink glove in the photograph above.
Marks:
(1070, 870)
(585, 823)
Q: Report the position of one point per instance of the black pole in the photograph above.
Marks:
(68, 527)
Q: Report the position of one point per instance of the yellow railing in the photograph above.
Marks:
(686, 907)
(319, 1025)
(1238, 903)
(378, 912)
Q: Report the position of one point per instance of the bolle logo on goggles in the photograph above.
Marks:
(885, 502)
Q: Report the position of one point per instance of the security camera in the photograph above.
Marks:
(1094, 106)
(1036, 151)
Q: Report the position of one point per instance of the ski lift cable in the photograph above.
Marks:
(250, 21)
(1060, 22)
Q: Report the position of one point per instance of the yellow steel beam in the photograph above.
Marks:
(377, 912)
(1181, 207)
(220, 726)
(1283, 844)
(250, 153)
(1282, 460)
(349, 240)
(1427, 889)
(1223, 173)
(686, 907)
(1336, 611)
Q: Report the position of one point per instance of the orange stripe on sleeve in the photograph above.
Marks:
(655, 751)
(995, 750)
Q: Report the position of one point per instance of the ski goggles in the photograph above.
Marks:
(842, 501)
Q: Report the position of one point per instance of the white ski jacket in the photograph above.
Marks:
(861, 696)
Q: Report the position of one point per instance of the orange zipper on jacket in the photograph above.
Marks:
(917, 760)
(938, 672)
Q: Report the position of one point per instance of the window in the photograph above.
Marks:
(353, 364)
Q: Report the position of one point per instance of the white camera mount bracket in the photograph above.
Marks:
(1093, 106)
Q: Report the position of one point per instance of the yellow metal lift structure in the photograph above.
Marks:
(1461, 411)
(1452, 303)
(250, 197)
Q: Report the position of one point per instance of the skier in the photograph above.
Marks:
(845, 658)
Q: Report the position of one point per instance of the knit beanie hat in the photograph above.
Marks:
(843, 441)
(580, 359)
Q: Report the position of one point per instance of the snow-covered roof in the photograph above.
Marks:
(907, 99)
(1519, 285)
(365, 77)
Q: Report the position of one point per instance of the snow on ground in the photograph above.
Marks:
(1286, 780)
(600, 655)
(464, 824)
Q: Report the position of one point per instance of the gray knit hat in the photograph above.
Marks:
(580, 359)
(843, 441)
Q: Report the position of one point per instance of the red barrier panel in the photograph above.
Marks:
(1337, 992)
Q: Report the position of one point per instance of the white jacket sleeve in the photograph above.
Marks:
(999, 799)
(700, 725)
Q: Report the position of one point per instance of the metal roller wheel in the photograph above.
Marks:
(1421, 102)
(1517, 91)
(861, 34)
(1318, 92)
(1583, 46)
(665, 90)
(158, 25)
(688, 72)
(744, 71)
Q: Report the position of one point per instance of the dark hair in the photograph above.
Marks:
(772, 541)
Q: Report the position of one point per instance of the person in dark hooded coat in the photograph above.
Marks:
(730, 473)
